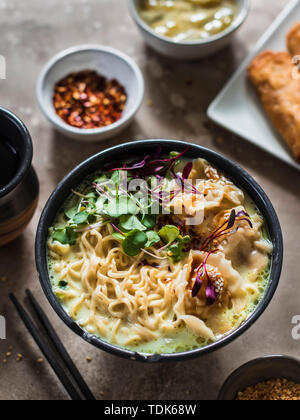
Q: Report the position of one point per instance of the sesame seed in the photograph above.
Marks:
(149, 102)
(272, 390)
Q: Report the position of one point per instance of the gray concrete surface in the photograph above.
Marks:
(32, 31)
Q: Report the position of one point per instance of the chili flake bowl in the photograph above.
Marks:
(106, 61)
(190, 50)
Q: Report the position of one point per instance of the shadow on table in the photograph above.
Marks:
(16, 260)
(128, 380)
(66, 153)
(42, 379)
(257, 160)
(180, 92)
(202, 79)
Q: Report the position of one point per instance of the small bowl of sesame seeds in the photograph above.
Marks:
(90, 92)
(269, 378)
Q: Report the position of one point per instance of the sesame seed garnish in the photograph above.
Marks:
(272, 390)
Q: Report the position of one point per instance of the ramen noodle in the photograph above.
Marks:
(167, 282)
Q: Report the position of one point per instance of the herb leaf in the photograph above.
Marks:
(100, 179)
(177, 252)
(134, 242)
(149, 220)
(178, 249)
(117, 208)
(118, 236)
(153, 238)
(116, 177)
(81, 218)
(92, 198)
(169, 233)
(62, 284)
(65, 236)
(111, 209)
(132, 207)
(70, 212)
(130, 222)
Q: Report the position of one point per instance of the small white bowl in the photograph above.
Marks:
(106, 61)
(188, 50)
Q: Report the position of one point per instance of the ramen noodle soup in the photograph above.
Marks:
(159, 255)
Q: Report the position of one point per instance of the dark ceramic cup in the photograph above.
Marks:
(141, 149)
(260, 370)
(19, 198)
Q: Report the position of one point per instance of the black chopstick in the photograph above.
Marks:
(60, 348)
(47, 352)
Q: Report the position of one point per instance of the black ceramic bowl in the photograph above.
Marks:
(18, 199)
(260, 370)
(142, 148)
(12, 128)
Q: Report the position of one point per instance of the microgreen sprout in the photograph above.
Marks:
(109, 202)
(202, 272)
(227, 227)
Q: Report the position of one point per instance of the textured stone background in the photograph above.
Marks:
(32, 31)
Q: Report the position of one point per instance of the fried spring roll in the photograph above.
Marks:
(273, 75)
(293, 40)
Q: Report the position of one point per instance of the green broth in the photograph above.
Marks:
(188, 20)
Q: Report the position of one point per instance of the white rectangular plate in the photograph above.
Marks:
(237, 107)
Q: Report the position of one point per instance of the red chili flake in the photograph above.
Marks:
(88, 100)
